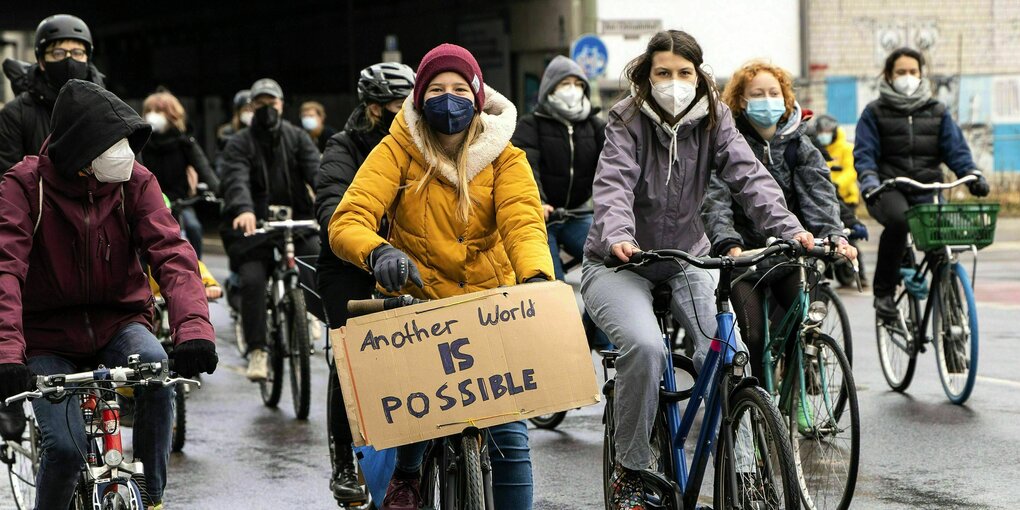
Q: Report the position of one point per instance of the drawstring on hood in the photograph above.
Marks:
(694, 115)
(87, 120)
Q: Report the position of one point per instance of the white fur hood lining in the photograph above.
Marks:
(500, 119)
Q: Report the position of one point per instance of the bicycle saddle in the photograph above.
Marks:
(662, 295)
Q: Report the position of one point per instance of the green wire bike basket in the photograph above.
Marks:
(934, 226)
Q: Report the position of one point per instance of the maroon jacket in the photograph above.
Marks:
(70, 283)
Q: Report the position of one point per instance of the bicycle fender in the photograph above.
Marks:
(745, 382)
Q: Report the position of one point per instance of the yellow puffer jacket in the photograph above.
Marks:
(842, 153)
(502, 243)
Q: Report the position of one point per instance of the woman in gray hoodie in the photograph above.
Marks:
(662, 143)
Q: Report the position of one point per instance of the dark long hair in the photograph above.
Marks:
(890, 61)
(680, 43)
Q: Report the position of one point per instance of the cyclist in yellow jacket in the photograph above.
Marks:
(841, 166)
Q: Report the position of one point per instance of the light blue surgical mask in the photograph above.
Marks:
(825, 138)
(766, 111)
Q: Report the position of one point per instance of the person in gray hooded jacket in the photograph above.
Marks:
(562, 140)
(662, 143)
(769, 118)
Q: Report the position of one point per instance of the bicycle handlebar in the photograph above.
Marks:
(561, 214)
(271, 226)
(822, 249)
(933, 186)
(358, 307)
(142, 373)
(207, 196)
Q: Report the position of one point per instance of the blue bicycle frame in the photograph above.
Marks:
(706, 388)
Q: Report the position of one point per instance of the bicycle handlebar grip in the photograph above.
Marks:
(357, 307)
(612, 261)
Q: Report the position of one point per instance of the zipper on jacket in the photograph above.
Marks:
(910, 123)
(88, 268)
(570, 183)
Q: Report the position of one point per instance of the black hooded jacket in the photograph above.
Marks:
(344, 154)
(259, 171)
(168, 155)
(25, 121)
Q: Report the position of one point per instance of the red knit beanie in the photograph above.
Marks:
(449, 57)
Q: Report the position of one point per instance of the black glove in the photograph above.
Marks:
(14, 378)
(536, 279)
(392, 268)
(979, 188)
(195, 356)
(868, 183)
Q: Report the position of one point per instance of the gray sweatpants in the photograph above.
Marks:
(620, 303)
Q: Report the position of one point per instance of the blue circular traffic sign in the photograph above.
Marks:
(590, 53)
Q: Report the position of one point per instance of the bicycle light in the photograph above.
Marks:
(816, 312)
(113, 457)
(740, 359)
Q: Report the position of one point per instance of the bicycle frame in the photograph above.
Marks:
(776, 344)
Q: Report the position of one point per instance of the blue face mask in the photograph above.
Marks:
(765, 112)
(449, 114)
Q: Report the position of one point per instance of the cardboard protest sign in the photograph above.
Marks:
(481, 359)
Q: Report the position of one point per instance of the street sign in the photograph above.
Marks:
(591, 54)
(629, 27)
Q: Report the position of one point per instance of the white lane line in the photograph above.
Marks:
(996, 380)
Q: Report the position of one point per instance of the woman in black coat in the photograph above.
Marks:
(176, 159)
(381, 90)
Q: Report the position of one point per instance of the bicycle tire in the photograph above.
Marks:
(842, 413)
(472, 487)
(608, 451)
(180, 420)
(897, 352)
(548, 421)
(23, 468)
(837, 312)
(272, 387)
(768, 431)
(299, 353)
(844, 274)
(433, 484)
(965, 322)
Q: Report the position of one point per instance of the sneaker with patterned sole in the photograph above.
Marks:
(627, 490)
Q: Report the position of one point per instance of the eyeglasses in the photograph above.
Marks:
(61, 54)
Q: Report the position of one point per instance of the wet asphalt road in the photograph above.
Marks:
(918, 450)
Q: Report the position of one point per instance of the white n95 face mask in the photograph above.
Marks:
(674, 96)
(906, 84)
(115, 164)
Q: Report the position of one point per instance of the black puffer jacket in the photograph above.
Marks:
(806, 186)
(25, 121)
(910, 141)
(344, 154)
(562, 156)
(168, 155)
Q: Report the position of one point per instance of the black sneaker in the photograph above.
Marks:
(627, 490)
(346, 487)
(885, 308)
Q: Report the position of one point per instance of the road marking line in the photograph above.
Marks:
(995, 380)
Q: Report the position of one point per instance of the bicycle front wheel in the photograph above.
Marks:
(548, 421)
(272, 387)
(472, 486)
(180, 422)
(22, 459)
(757, 469)
(825, 426)
(954, 326)
(300, 352)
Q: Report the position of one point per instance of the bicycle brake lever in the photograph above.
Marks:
(174, 380)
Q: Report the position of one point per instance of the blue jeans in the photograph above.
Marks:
(511, 464)
(63, 429)
(571, 236)
(192, 228)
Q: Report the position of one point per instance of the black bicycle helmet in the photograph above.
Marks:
(59, 27)
(382, 83)
(242, 98)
